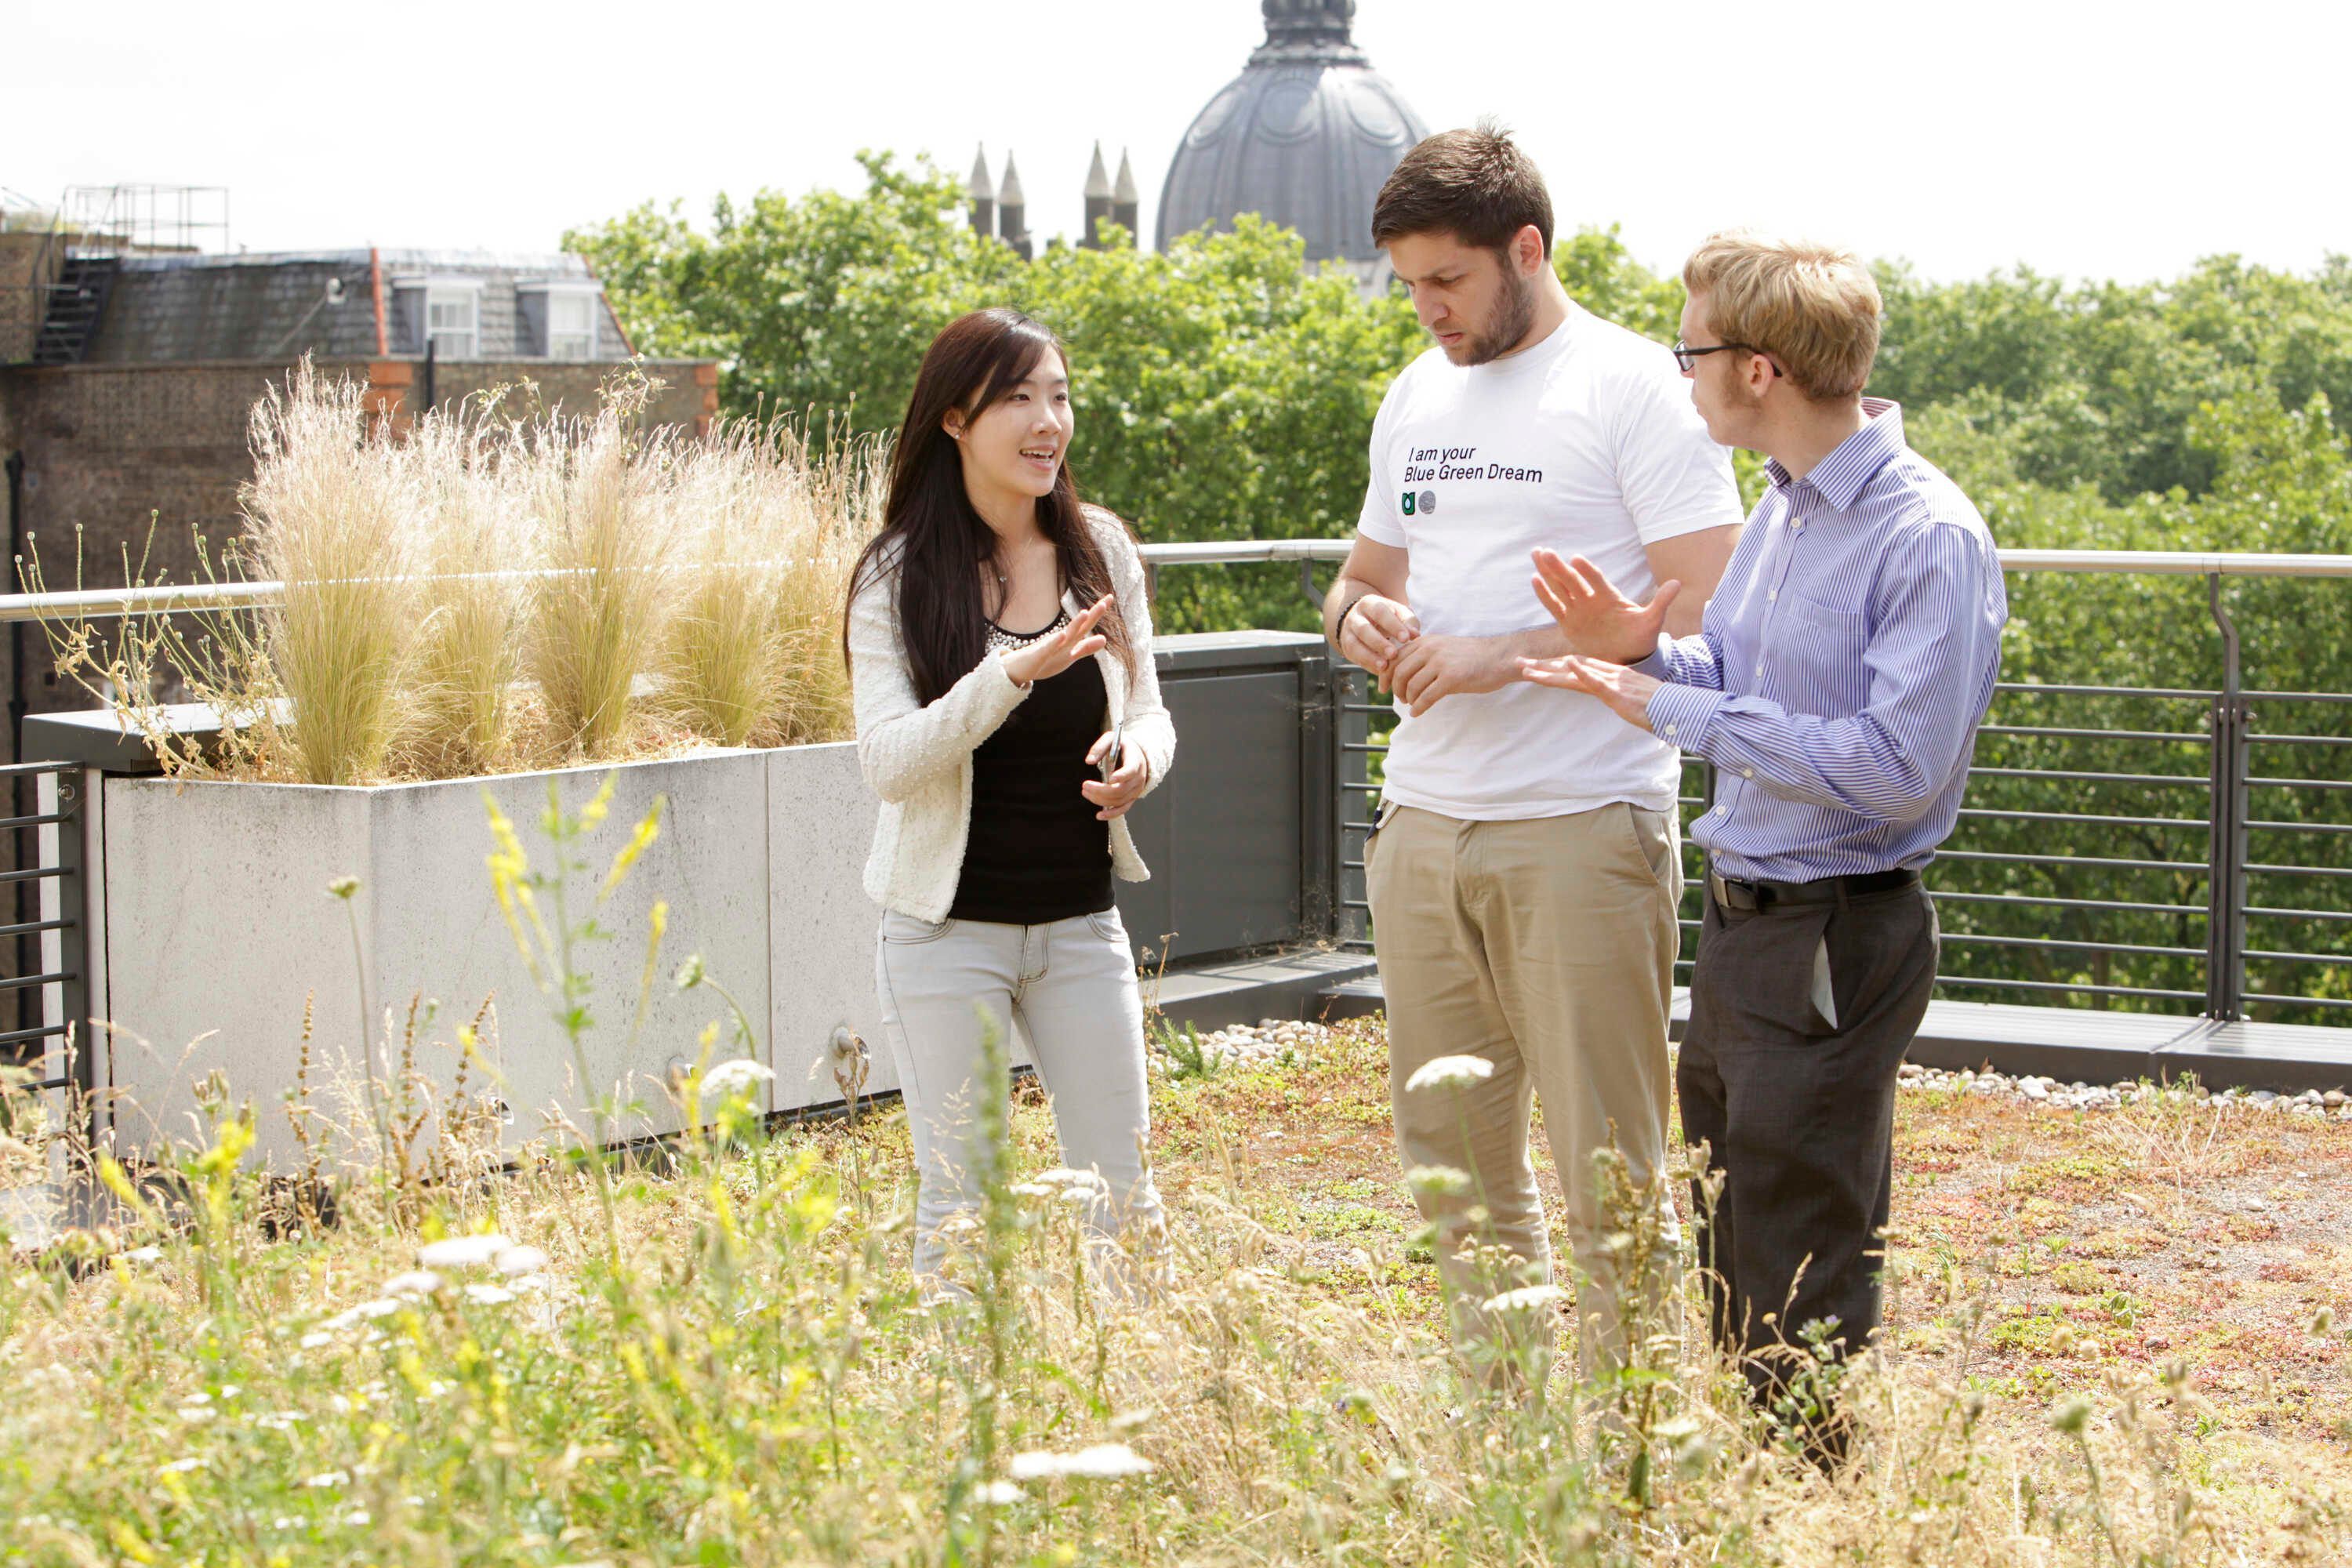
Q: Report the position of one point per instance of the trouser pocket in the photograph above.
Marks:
(908, 930)
(1381, 818)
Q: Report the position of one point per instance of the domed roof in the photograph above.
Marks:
(1305, 136)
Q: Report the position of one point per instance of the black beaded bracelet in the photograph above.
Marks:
(1339, 627)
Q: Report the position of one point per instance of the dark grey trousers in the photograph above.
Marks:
(1798, 1111)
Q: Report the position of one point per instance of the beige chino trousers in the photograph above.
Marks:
(1546, 948)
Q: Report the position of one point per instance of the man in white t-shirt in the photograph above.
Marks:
(1524, 867)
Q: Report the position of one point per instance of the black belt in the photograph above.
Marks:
(1753, 896)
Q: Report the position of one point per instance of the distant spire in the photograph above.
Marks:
(1126, 203)
(982, 196)
(1012, 211)
(1098, 205)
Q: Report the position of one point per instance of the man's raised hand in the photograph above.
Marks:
(1598, 620)
(1625, 692)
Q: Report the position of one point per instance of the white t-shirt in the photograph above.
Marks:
(1586, 443)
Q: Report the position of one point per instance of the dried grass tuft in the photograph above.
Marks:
(479, 593)
(331, 513)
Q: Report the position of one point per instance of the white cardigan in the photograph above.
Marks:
(917, 757)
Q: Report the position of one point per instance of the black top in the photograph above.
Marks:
(1036, 852)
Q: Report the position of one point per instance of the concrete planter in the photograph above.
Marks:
(220, 929)
(212, 927)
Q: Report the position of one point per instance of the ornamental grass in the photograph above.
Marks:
(478, 592)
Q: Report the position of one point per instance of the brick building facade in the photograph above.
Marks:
(136, 424)
(144, 435)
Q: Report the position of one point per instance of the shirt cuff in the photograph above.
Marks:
(1656, 665)
(1681, 714)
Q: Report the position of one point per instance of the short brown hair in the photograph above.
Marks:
(1474, 184)
(1813, 308)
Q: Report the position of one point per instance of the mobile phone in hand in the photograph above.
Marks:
(1110, 758)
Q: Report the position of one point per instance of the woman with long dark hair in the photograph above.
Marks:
(1008, 715)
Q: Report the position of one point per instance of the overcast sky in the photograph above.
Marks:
(2087, 139)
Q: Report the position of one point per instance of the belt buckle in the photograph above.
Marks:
(1744, 896)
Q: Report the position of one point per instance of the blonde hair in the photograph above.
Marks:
(1813, 308)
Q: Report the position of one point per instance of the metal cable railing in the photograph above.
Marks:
(2117, 845)
(41, 853)
(2083, 867)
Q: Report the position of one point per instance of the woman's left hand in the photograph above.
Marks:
(1127, 780)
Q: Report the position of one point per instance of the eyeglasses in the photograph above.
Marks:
(1687, 357)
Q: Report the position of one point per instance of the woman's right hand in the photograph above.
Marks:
(1049, 656)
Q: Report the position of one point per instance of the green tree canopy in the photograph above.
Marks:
(1226, 392)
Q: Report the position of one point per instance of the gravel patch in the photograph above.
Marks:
(2049, 1094)
(1263, 1043)
(1269, 1040)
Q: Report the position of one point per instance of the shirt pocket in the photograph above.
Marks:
(1818, 652)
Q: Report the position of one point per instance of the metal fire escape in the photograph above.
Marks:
(94, 228)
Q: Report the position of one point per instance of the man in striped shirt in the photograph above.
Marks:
(1837, 683)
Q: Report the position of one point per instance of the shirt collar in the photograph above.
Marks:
(1839, 477)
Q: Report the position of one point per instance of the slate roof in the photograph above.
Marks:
(276, 306)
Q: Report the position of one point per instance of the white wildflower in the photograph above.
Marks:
(415, 1282)
(999, 1494)
(463, 1251)
(1032, 1190)
(515, 1260)
(730, 1079)
(315, 1340)
(1450, 1072)
(1526, 1299)
(1062, 1176)
(1104, 1461)
(357, 1517)
(1437, 1180)
(380, 1308)
(1081, 1196)
(143, 1255)
(330, 1479)
(489, 1295)
(279, 1420)
(182, 1467)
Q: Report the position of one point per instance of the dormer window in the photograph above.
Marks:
(443, 313)
(453, 319)
(563, 317)
(571, 326)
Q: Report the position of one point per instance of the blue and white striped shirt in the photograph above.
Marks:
(1842, 667)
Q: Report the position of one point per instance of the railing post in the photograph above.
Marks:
(1351, 690)
(2225, 918)
(1320, 816)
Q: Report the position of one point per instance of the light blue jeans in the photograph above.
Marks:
(1071, 986)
